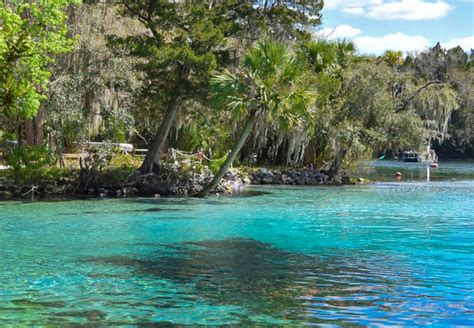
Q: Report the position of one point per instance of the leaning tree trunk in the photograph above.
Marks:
(231, 157)
(155, 149)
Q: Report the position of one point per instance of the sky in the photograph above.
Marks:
(405, 25)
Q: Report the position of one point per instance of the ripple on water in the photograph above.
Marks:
(298, 287)
(389, 254)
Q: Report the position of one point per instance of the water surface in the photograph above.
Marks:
(384, 170)
(393, 253)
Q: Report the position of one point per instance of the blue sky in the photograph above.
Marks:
(406, 25)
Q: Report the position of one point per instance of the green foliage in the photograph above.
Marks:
(217, 163)
(403, 131)
(31, 34)
(272, 82)
(271, 85)
(180, 49)
(363, 116)
(119, 160)
(393, 58)
(187, 41)
(29, 163)
(313, 99)
(106, 165)
(190, 138)
(435, 106)
(329, 57)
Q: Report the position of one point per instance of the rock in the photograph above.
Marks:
(5, 194)
(132, 191)
(300, 180)
(263, 170)
(304, 176)
(267, 179)
(151, 184)
(197, 188)
(276, 179)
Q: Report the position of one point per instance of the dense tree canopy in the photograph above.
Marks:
(242, 76)
(271, 84)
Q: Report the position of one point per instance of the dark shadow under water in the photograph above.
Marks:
(152, 209)
(270, 281)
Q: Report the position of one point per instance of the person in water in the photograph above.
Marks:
(398, 175)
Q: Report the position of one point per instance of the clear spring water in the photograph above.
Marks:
(391, 253)
(384, 170)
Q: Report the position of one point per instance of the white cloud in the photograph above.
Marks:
(395, 41)
(354, 11)
(332, 4)
(396, 9)
(409, 10)
(339, 32)
(466, 43)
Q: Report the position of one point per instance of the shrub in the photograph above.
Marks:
(29, 163)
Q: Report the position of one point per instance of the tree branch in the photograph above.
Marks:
(145, 20)
(407, 101)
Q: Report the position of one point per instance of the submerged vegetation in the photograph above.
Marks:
(235, 82)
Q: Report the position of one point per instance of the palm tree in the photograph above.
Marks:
(327, 57)
(271, 83)
(329, 60)
(393, 58)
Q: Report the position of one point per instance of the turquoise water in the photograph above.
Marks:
(384, 170)
(391, 253)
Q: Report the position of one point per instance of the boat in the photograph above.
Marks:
(411, 156)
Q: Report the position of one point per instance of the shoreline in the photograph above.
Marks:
(180, 183)
(153, 185)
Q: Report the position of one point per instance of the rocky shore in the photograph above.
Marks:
(165, 183)
(301, 176)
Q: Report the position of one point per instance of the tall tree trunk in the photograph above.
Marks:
(231, 157)
(19, 125)
(34, 128)
(38, 126)
(29, 132)
(155, 149)
(336, 164)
